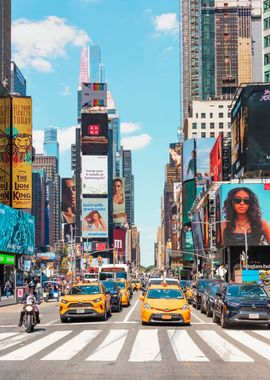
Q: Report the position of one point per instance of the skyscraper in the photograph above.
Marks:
(266, 40)
(5, 36)
(129, 184)
(95, 64)
(38, 205)
(50, 144)
(18, 82)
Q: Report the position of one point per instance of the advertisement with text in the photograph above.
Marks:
(5, 153)
(189, 160)
(94, 133)
(95, 218)
(119, 204)
(94, 175)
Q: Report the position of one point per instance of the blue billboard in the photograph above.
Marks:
(17, 231)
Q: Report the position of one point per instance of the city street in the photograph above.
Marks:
(121, 348)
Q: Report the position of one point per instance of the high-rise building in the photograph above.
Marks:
(114, 123)
(95, 64)
(5, 36)
(50, 143)
(129, 185)
(18, 82)
(38, 205)
(266, 40)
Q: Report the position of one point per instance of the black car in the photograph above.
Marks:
(198, 289)
(116, 300)
(208, 297)
(241, 303)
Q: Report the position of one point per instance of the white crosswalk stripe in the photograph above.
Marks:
(144, 346)
(227, 351)
(184, 347)
(111, 347)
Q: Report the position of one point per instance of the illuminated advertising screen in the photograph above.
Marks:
(68, 200)
(216, 160)
(188, 247)
(68, 231)
(94, 133)
(17, 231)
(47, 256)
(203, 149)
(176, 191)
(197, 233)
(239, 136)
(95, 217)
(175, 155)
(94, 175)
(189, 159)
(188, 199)
(5, 151)
(100, 245)
(94, 95)
(22, 153)
(119, 204)
(243, 210)
(119, 243)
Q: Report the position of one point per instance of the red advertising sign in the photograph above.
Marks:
(216, 160)
(119, 241)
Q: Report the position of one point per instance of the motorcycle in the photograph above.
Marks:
(29, 319)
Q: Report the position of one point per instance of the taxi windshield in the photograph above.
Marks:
(121, 285)
(84, 290)
(165, 294)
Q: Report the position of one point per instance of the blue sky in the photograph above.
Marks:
(139, 47)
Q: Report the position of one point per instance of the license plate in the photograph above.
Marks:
(166, 317)
(80, 311)
(254, 316)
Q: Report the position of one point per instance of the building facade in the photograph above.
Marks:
(5, 37)
(18, 82)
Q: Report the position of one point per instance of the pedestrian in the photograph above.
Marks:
(221, 272)
(7, 288)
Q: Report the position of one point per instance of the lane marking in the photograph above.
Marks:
(7, 335)
(199, 319)
(110, 348)
(263, 333)
(253, 344)
(184, 348)
(31, 349)
(146, 347)
(56, 320)
(227, 351)
(130, 311)
(73, 346)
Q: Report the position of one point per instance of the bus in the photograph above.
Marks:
(113, 271)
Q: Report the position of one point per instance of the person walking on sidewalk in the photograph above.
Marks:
(7, 288)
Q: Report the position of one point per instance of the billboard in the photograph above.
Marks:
(188, 248)
(188, 199)
(47, 256)
(175, 155)
(243, 212)
(68, 200)
(216, 160)
(197, 233)
(119, 203)
(95, 217)
(22, 153)
(5, 151)
(189, 159)
(119, 243)
(17, 231)
(94, 128)
(68, 231)
(94, 175)
(94, 95)
(203, 149)
(176, 191)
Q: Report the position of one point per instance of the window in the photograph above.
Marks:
(266, 59)
(203, 115)
(267, 76)
(194, 135)
(229, 134)
(194, 125)
(212, 134)
(266, 5)
(220, 115)
(220, 125)
(229, 115)
(197, 115)
(266, 23)
(203, 134)
(211, 115)
(229, 125)
(266, 41)
(212, 125)
(203, 125)
(220, 106)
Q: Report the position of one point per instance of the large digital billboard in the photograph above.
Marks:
(188, 195)
(243, 212)
(188, 247)
(94, 95)
(17, 231)
(95, 217)
(22, 153)
(95, 175)
(119, 243)
(175, 155)
(197, 233)
(5, 151)
(216, 160)
(203, 149)
(189, 160)
(119, 204)
(68, 200)
(94, 133)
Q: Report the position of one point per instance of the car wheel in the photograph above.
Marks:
(223, 322)
(121, 306)
(215, 318)
(208, 312)
(202, 309)
(144, 323)
(63, 319)
(105, 316)
(110, 312)
(128, 302)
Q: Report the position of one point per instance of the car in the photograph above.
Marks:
(125, 291)
(116, 298)
(88, 300)
(164, 303)
(241, 303)
(136, 284)
(207, 298)
(197, 290)
(160, 280)
(52, 290)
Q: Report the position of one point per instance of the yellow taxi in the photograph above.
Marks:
(85, 300)
(136, 284)
(123, 285)
(165, 303)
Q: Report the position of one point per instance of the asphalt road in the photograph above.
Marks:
(121, 348)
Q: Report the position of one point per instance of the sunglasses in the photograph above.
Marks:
(238, 200)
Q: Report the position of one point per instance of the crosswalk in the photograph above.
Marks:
(143, 345)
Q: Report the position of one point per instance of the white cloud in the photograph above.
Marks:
(136, 142)
(65, 137)
(65, 91)
(128, 127)
(168, 50)
(38, 43)
(166, 23)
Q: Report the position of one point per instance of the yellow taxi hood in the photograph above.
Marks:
(81, 297)
(165, 303)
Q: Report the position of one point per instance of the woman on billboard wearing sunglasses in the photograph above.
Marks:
(243, 216)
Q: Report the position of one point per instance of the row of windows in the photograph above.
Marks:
(203, 134)
(211, 115)
(212, 125)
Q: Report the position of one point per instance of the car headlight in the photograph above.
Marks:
(186, 306)
(232, 304)
(97, 299)
(147, 306)
(64, 301)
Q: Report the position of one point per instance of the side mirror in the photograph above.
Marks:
(141, 298)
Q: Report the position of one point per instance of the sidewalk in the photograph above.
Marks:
(4, 301)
